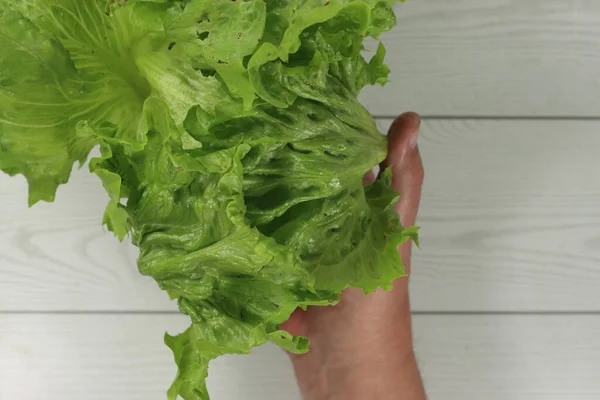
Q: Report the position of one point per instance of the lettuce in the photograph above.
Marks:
(232, 146)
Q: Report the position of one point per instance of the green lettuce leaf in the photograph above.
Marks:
(232, 146)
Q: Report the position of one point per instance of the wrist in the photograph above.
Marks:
(363, 354)
(362, 364)
(381, 377)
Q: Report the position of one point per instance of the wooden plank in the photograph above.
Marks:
(509, 216)
(71, 357)
(510, 220)
(495, 57)
(57, 256)
(120, 357)
(486, 357)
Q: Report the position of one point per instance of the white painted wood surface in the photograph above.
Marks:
(493, 57)
(121, 357)
(510, 219)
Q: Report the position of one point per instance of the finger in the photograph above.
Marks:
(407, 173)
(407, 167)
(369, 178)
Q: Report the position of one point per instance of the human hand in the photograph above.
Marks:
(362, 347)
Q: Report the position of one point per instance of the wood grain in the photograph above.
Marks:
(462, 358)
(510, 219)
(492, 58)
(510, 216)
(57, 256)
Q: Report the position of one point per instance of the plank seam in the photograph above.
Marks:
(416, 313)
(432, 117)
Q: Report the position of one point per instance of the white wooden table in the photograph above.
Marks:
(505, 289)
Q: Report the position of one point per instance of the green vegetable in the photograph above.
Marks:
(232, 145)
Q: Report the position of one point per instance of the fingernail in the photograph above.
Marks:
(414, 140)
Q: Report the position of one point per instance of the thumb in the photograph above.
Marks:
(407, 174)
(407, 167)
